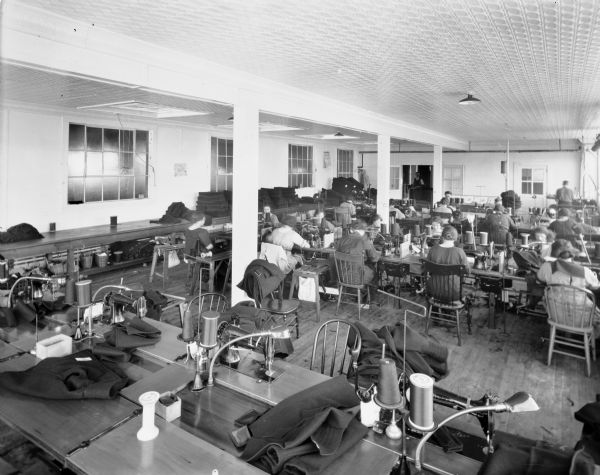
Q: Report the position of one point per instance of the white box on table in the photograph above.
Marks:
(54, 346)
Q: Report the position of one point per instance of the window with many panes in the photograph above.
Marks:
(300, 165)
(345, 163)
(452, 179)
(222, 164)
(394, 178)
(532, 181)
(107, 164)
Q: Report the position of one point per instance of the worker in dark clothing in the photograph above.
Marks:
(357, 242)
(499, 226)
(197, 239)
(564, 195)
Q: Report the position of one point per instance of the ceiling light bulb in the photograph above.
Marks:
(470, 99)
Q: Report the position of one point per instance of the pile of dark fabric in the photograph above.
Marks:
(510, 199)
(177, 212)
(123, 338)
(306, 432)
(423, 354)
(77, 376)
(20, 232)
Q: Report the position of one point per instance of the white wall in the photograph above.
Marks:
(36, 170)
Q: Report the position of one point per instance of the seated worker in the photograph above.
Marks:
(324, 225)
(564, 271)
(357, 242)
(197, 239)
(499, 226)
(461, 223)
(565, 227)
(448, 197)
(347, 203)
(287, 237)
(376, 221)
(444, 208)
(397, 213)
(548, 217)
(542, 241)
(585, 228)
(270, 219)
(447, 253)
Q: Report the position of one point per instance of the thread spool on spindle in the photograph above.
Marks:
(187, 333)
(84, 292)
(421, 402)
(416, 230)
(428, 229)
(468, 237)
(383, 229)
(483, 238)
(210, 321)
(395, 230)
(148, 430)
(525, 239)
(388, 392)
(69, 291)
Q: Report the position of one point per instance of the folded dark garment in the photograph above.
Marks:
(132, 333)
(106, 352)
(77, 376)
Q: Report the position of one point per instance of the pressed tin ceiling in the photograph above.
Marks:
(534, 64)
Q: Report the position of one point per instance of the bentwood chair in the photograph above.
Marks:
(336, 348)
(570, 316)
(351, 277)
(443, 291)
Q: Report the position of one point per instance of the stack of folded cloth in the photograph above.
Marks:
(306, 432)
(124, 337)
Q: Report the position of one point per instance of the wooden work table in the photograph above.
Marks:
(99, 436)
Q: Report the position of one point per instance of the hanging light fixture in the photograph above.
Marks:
(470, 99)
(338, 134)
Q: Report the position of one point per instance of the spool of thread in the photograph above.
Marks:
(69, 291)
(148, 430)
(428, 229)
(187, 326)
(421, 402)
(483, 238)
(3, 269)
(468, 237)
(388, 392)
(383, 229)
(84, 292)
(525, 239)
(597, 250)
(416, 230)
(395, 231)
(210, 322)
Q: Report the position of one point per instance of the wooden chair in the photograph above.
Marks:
(336, 348)
(570, 315)
(443, 290)
(211, 301)
(351, 277)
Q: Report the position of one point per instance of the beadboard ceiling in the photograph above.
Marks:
(534, 64)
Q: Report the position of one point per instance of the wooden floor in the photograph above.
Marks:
(489, 360)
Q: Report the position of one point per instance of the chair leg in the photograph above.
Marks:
(458, 327)
(359, 302)
(593, 340)
(586, 348)
(337, 309)
(551, 346)
(469, 319)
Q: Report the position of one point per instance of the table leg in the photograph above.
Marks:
(227, 274)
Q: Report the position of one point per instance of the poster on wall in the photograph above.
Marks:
(180, 169)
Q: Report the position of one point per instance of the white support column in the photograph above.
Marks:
(437, 183)
(383, 177)
(245, 192)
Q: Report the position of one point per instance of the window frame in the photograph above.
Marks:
(532, 182)
(114, 164)
(300, 158)
(345, 163)
(395, 181)
(450, 183)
